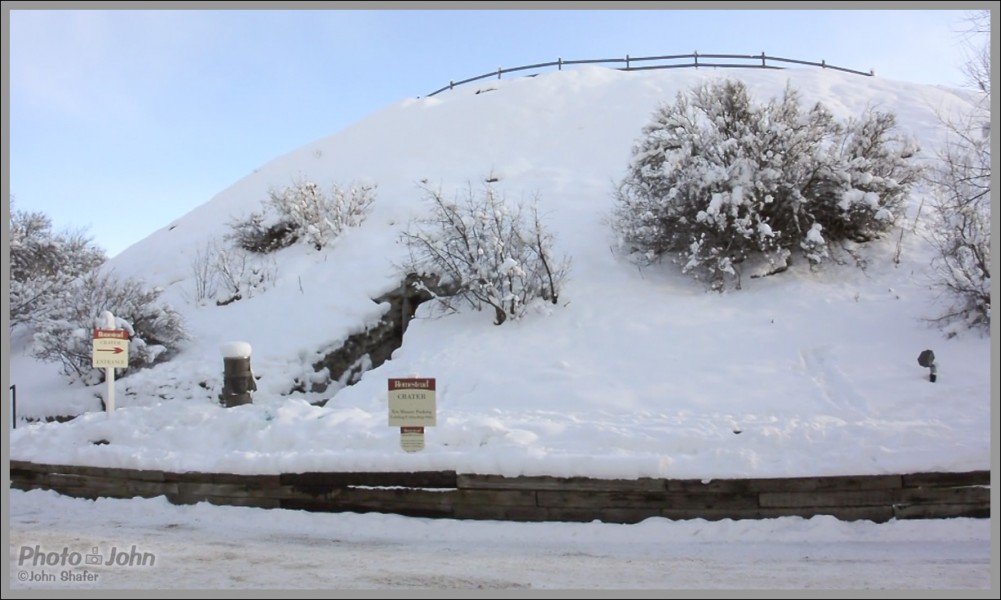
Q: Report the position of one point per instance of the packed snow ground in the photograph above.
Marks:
(637, 372)
(204, 546)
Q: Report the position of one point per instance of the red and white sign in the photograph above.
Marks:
(412, 438)
(110, 349)
(119, 334)
(411, 384)
(412, 403)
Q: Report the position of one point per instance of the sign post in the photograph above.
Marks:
(411, 408)
(111, 351)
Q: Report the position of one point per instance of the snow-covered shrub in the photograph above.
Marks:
(44, 264)
(224, 275)
(253, 235)
(720, 182)
(65, 335)
(303, 211)
(961, 227)
(493, 254)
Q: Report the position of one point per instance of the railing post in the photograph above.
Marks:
(498, 72)
(762, 60)
(13, 400)
(451, 84)
(823, 64)
(560, 63)
(696, 55)
(627, 62)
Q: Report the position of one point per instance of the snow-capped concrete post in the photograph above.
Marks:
(238, 379)
(927, 359)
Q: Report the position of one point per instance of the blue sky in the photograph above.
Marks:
(122, 121)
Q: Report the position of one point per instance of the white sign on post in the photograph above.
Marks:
(110, 352)
(411, 408)
(111, 349)
(412, 403)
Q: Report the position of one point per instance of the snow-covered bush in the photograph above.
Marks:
(224, 275)
(724, 184)
(65, 335)
(44, 264)
(493, 254)
(303, 211)
(253, 234)
(961, 227)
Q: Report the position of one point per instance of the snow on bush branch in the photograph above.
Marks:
(961, 226)
(44, 264)
(65, 334)
(493, 254)
(725, 185)
(303, 211)
(225, 274)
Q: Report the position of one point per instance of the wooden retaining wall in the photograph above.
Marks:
(466, 496)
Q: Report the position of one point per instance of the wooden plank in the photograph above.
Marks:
(110, 488)
(313, 504)
(878, 498)
(248, 490)
(27, 475)
(251, 481)
(819, 484)
(66, 480)
(500, 513)
(783, 484)
(571, 514)
(712, 486)
(43, 467)
(106, 472)
(947, 479)
(850, 513)
(150, 489)
(124, 488)
(330, 480)
(513, 498)
(500, 482)
(657, 500)
(879, 514)
(27, 487)
(190, 477)
(202, 490)
(84, 493)
(627, 515)
(27, 465)
(387, 499)
(334, 504)
(148, 475)
(827, 498)
(954, 495)
(719, 514)
(253, 502)
(942, 511)
(116, 473)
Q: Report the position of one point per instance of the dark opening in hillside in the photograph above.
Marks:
(370, 348)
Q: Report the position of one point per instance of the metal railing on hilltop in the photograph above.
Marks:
(729, 61)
